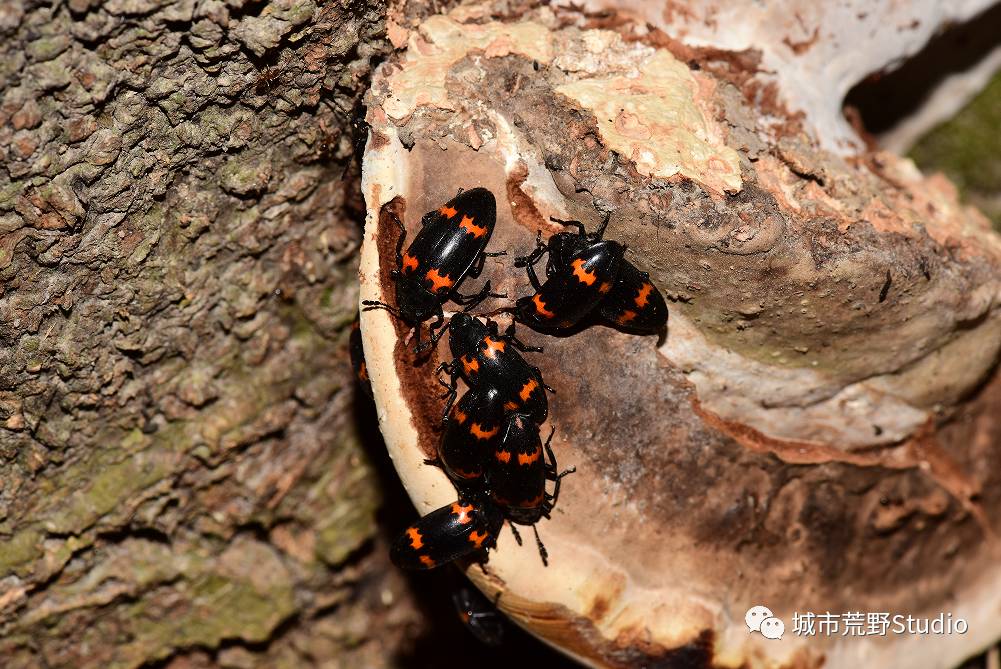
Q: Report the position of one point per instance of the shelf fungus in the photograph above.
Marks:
(817, 432)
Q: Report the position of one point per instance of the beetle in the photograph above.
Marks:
(579, 274)
(450, 245)
(358, 358)
(471, 430)
(632, 304)
(485, 358)
(518, 472)
(479, 615)
(466, 526)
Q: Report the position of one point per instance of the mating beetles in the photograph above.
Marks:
(629, 301)
(486, 359)
(578, 277)
(472, 428)
(450, 245)
(458, 529)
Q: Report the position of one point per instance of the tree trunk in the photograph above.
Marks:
(187, 478)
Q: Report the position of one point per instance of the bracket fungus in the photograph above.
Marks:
(819, 429)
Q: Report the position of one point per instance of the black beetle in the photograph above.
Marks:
(450, 245)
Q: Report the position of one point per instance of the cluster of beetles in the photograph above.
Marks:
(491, 445)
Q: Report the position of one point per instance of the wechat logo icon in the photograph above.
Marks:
(760, 619)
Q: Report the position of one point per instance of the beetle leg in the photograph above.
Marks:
(514, 531)
(532, 278)
(571, 224)
(543, 553)
(433, 338)
(453, 371)
(517, 343)
(544, 384)
(540, 250)
(600, 232)
(470, 302)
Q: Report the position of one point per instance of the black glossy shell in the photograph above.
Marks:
(448, 244)
(471, 432)
(487, 359)
(634, 304)
(446, 534)
(517, 471)
(573, 289)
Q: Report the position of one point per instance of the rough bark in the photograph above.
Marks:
(182, 476)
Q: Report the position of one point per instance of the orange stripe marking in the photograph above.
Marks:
(447, 211)
(511, 406)
(528, 389)
(530, 458)
(438, 282)
(470, 365)
(503, 456)
(626, 317)
(491, 348)
(604, 287)
(585, 277)
(428, 562)
(409, 262)
(463, 512)
(478, 538)
(475, 230)
(540, 307)
(480, 433)
(416, 540)
(644, 295)
(458, 415)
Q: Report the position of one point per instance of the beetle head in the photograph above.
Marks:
(416, 304)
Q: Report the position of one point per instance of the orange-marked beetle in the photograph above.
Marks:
(578, 277)
(449, 247)
(634, 304)
(517, 474)
(484, 358)
(627, 300)
(471, 432)
(466, 526)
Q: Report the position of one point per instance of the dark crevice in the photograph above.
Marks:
(885, 98)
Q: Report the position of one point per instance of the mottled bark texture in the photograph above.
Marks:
(181, 479)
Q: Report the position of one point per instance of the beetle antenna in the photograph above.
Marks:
(375, 304)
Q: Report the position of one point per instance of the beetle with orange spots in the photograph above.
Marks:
(485, 358)
(471, 431)
(578, 276)
(467, 526)
(450, 246)
(518, 471)
(634, 304)
(629, 301)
